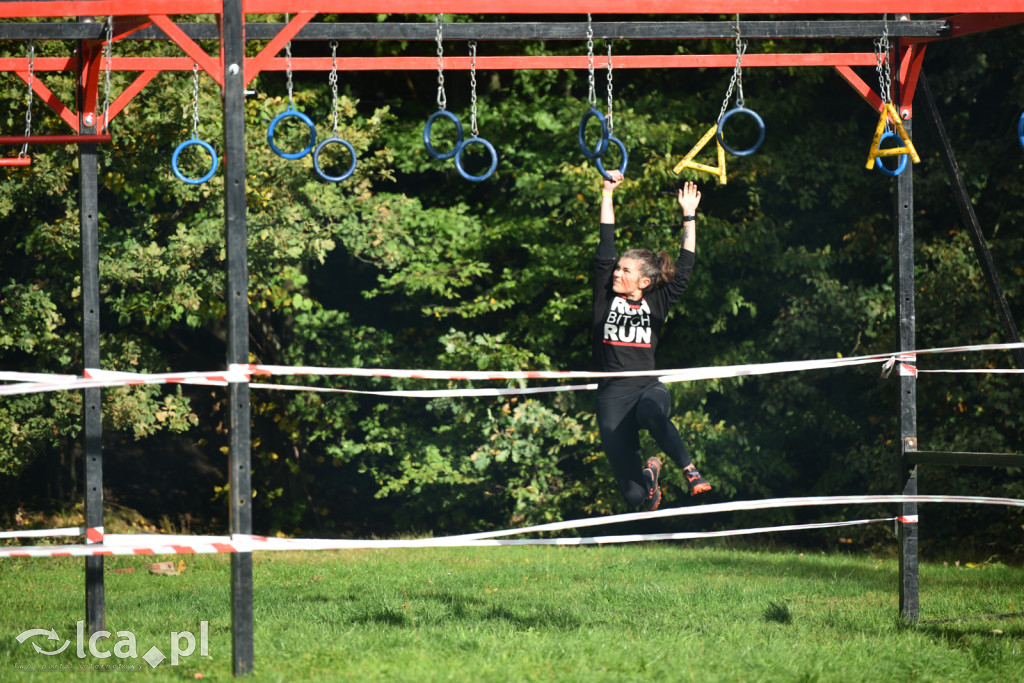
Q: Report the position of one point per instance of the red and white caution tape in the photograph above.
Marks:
(6, 376)
(981, 371)
(685, 374)
(433, 393)
(128, 545)
(156, 544)
(905, 360)
(99, 379)
(95, 378)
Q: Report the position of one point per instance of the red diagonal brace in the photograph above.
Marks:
(130, 25)
(190, 47)
(51, 100)
(92, 60)
(911, 58)
(255, 65)
(862, 88)
(131, 91)
(910, 70)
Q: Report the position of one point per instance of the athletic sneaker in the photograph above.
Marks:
(697, 483)
(651, 473)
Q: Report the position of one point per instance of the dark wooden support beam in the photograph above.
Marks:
(906, 316)
(88, 212)
(970, 221)
(551, 30)
(237, 292)
(962, 459)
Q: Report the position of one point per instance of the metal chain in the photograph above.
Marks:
(592, 95)
(288, 65)
(28, 100)
(442, 99)
(737, 73)
(882, 64)
(333, 80)
(106, 77)
(608, 117)
(472, 85)
(195, 100)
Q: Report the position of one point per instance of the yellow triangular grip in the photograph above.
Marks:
(908, 147)
(688, 161)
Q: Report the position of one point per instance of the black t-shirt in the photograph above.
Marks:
(624, 332)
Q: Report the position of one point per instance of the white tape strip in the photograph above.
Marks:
(432, 393)
(695, 373)
(129, 545)
(982, 371)
(123, 379)
(127, 377)
(160, 544)
(739, 505)
(6, 376)
(43, 533)
(95, 378)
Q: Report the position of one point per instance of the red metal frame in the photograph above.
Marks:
(911, 58)
(79, 8)
(972, 16)
(53, 139)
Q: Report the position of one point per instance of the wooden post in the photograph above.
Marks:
(232, 29)
(907, 524)
(88, 212)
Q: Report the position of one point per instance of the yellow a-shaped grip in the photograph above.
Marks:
(688, 161)
(908, 147)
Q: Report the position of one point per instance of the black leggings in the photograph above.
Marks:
(621, 413)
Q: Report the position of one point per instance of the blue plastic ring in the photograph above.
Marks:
(177, 152)
(1020, 130)
(878, 160)
(316, 160)
(458, 159)
(625, 158)
(291, 113)
(430, 124)
(602, 144)
(760, 132)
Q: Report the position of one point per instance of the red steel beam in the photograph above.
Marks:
(53, 139)
(152, 66)
(965, 24)
(120, 64)
(575, 62)
(77, 8)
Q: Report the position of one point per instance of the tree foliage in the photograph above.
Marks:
(408, 265)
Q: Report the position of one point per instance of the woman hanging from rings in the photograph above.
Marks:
(632, 296)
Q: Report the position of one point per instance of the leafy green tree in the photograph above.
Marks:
(406, 264)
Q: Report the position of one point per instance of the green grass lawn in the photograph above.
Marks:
(660, 612)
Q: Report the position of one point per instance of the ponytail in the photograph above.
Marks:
(668, 269)
(658, 268)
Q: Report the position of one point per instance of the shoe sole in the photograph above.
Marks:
(655, 473)
(700, 488)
